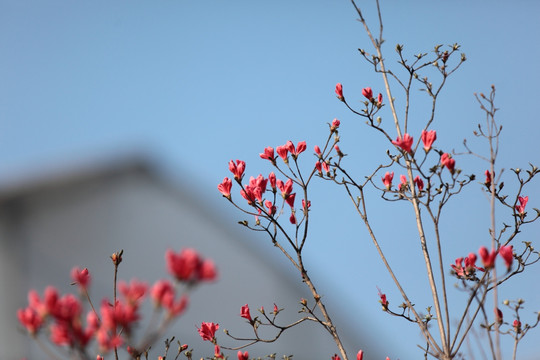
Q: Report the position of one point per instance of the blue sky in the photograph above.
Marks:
(197, 83)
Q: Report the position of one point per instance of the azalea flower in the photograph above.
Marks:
(404, 143)
(446, 160)
(428, 137)
(339, 91)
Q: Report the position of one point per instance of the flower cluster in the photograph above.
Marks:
(465, 268)
(111, 325)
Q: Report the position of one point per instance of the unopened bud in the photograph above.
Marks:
(117, 257)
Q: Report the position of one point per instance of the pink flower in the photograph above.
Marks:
(318, 166)
(300, 148)
(183, 265)
(237, 169)
(318, 150)
(335, 125)
(268, 154)
(244, 312)
(368, 93)
(517, 326)
(207, 271)
(285, 188)
(272, 179)
(81, 277)
(208, 330)
(488, 258)
(403, 182)
(336, 357)
(360, 355)
(405, 144)
(306, 206)
(419, 182)
(428, 137)
(283, 152)
(30, 319)
(243, 356)
(276, 310)
(325, 167)
(225, 187)
(507, 254)
(271, 207)
(188, 266)
(379, 100)
(339, 91)
(133, 292)
(446, 160)
(387, 179)
(522, 203)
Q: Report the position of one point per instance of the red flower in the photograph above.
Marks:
(428, 137)
(272, 179)
(517, 326)
(244, 312)
(325, 167)
(419, 182)
(276, 310)
(318, 150)
(488, 178)
(522, 203)
(243, 356)
(292, 219)
(446, 160)
(368, 93)
(336, 357)
(488, 258)
(270, 206)
(506, 253)
(290, 199)
(285, 188)
(405, 144)
(282, 152)
(403, 182)
(30, 319)
(208, 330)
(383, 300)
(217, 352)
(306, 206)
(133, 292)
(81, 277)
(268, 154)
(339, 91)
(335, 125)
(379, 100)
(387, 179)
(225, 187)
(360, 355)
(188, 266)
(237, 169)
(300, 148)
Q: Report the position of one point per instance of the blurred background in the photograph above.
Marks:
(118, 119)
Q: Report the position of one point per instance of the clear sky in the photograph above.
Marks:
(197, 83)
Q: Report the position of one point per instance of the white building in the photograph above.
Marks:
(51, 223)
